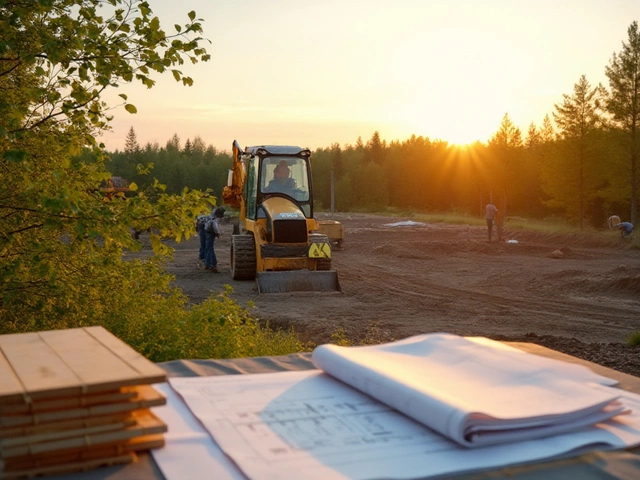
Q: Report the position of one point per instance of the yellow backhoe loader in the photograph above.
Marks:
(277, 239)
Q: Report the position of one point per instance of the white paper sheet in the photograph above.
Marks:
(472, 393)
(294, 425)
(189, 452)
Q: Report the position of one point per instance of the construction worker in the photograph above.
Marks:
(626, 228)
(282, 181)
(212, 231)
(489, 215)
(200, 223)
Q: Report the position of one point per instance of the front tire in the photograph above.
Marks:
(243, 257)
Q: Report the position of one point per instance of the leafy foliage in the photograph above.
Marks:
(72, 53)
(63, 242)
(216, 328)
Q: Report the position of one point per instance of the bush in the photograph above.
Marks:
(634, 338)
(216, 328)
(135, 301)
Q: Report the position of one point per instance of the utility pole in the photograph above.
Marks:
(333, 197)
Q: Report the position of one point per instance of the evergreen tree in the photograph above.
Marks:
(547, 133)
(375, 149)
(336, 170)
(508, 135)
(623, 104)
(377, 196)
(131, 146)
(173, 144)
(210, 155)
(198, 147)
(533, 156)
(505, 149)
(188, 149)
(572, 181)
(336, 160)
(345, 197)
(533, 136)
(152, 147)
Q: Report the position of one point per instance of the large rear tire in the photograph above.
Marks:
(321, 263)
(243, 257)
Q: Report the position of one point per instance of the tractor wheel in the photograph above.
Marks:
(243, 257)
(321, 263)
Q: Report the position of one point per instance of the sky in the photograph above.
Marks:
(317, 72)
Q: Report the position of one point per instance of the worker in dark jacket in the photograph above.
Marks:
(200, 223)
(212, 231)
(626, 228)
(282, 181)
(489, 215)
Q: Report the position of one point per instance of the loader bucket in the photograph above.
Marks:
(298, 281)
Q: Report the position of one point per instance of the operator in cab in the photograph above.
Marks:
(282, 181)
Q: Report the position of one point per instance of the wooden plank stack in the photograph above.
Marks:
(72, 400)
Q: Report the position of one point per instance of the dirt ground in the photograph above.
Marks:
(401, 278)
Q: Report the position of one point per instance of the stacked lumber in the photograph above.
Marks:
(72, 400)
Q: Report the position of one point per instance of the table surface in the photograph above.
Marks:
(596, 465)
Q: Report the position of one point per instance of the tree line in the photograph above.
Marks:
(194, 165)
(581, 166)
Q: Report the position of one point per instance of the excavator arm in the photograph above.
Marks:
(232, 194)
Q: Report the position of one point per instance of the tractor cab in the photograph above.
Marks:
(286, 175)
(278, 171)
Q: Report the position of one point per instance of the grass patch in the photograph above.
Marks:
(634, 339)
(549, 225)
(460, 218)
(545, 226)
(455, 218)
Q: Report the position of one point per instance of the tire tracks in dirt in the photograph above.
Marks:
(412, 288)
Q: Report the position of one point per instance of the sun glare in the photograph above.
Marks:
(452, 125)
(458, 136)
(455, 97)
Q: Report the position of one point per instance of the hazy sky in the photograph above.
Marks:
(316, 72)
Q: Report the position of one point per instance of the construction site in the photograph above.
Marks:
(575, 293)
